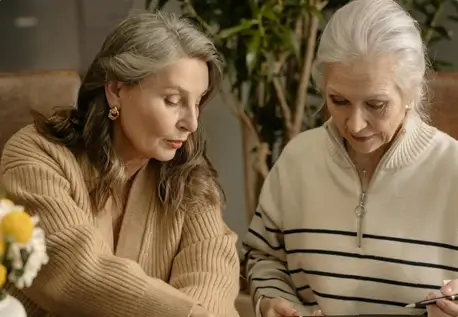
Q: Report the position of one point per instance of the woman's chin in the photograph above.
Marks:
(164, 155)
(365, 147)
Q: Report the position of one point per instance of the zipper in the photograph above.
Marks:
(361, 209)
(360, 212)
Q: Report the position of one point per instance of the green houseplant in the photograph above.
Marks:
(269, 48)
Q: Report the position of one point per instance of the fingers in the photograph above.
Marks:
(275, 307)
(448, 307)
(441, 309)
(318, 312)
(279, 312)
(451, 288)
(283, 308)
(432, 310)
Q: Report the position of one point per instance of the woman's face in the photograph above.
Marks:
(364, 102)
(157, 116)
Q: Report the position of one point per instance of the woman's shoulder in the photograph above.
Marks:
(309, 145)
(444, 147)
(29, 147)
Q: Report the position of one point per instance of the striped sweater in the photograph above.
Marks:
(303, 242)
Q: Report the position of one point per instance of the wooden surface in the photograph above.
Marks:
(244, 305)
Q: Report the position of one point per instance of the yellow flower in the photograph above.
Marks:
(18, 225)
(2, 246)
(3, 274)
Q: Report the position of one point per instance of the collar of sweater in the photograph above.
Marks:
(412, 140)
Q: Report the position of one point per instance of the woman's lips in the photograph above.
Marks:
(361, 138)
(175, 144)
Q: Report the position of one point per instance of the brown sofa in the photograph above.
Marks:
(40, 91)
(443, 96)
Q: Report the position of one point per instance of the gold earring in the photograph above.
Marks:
(114, 113)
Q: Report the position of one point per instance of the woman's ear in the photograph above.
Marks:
(112, 94)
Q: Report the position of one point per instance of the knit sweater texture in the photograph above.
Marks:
(303, 242)
(162, 265)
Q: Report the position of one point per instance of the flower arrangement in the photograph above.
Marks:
(22, 246)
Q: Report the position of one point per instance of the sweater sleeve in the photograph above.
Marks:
(207, 266)
(83, 277)
(265, 255)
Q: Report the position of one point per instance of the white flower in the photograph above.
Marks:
(6, 206)
(36, 249)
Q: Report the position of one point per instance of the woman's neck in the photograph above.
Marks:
(133, 162)
(133, 166)
(366, 163)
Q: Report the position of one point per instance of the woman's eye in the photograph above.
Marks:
(173, 101)
(339, 102)
(377, 105)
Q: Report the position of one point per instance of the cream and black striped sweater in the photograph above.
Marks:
(302, 244)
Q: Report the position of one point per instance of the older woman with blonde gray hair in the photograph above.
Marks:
(359, 216)
(123, 187)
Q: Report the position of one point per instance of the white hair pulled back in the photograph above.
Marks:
(373, 28)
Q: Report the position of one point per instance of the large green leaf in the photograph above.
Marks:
(253, 51)
(319, 14)
(232, 31)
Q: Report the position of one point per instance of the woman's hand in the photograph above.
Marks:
(444, 307)
(318, 312)
(277, 307)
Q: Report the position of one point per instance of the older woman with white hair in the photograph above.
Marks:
(359, 216)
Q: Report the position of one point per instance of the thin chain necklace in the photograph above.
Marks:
(363, 172)
(360, 170)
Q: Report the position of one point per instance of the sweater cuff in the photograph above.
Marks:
(165, 304)
(257, 309)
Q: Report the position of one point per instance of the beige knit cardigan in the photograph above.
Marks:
(161, 265)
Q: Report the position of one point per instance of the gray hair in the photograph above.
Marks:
(139, 46)
(376, 27)
(146, 42)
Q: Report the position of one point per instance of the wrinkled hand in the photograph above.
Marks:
(199, 311)
(277, 307)
(444, 307)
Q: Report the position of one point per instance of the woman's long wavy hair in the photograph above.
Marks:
(139, 46)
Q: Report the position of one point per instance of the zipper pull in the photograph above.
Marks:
(360, 211)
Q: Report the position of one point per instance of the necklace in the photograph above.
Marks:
(362, 172)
